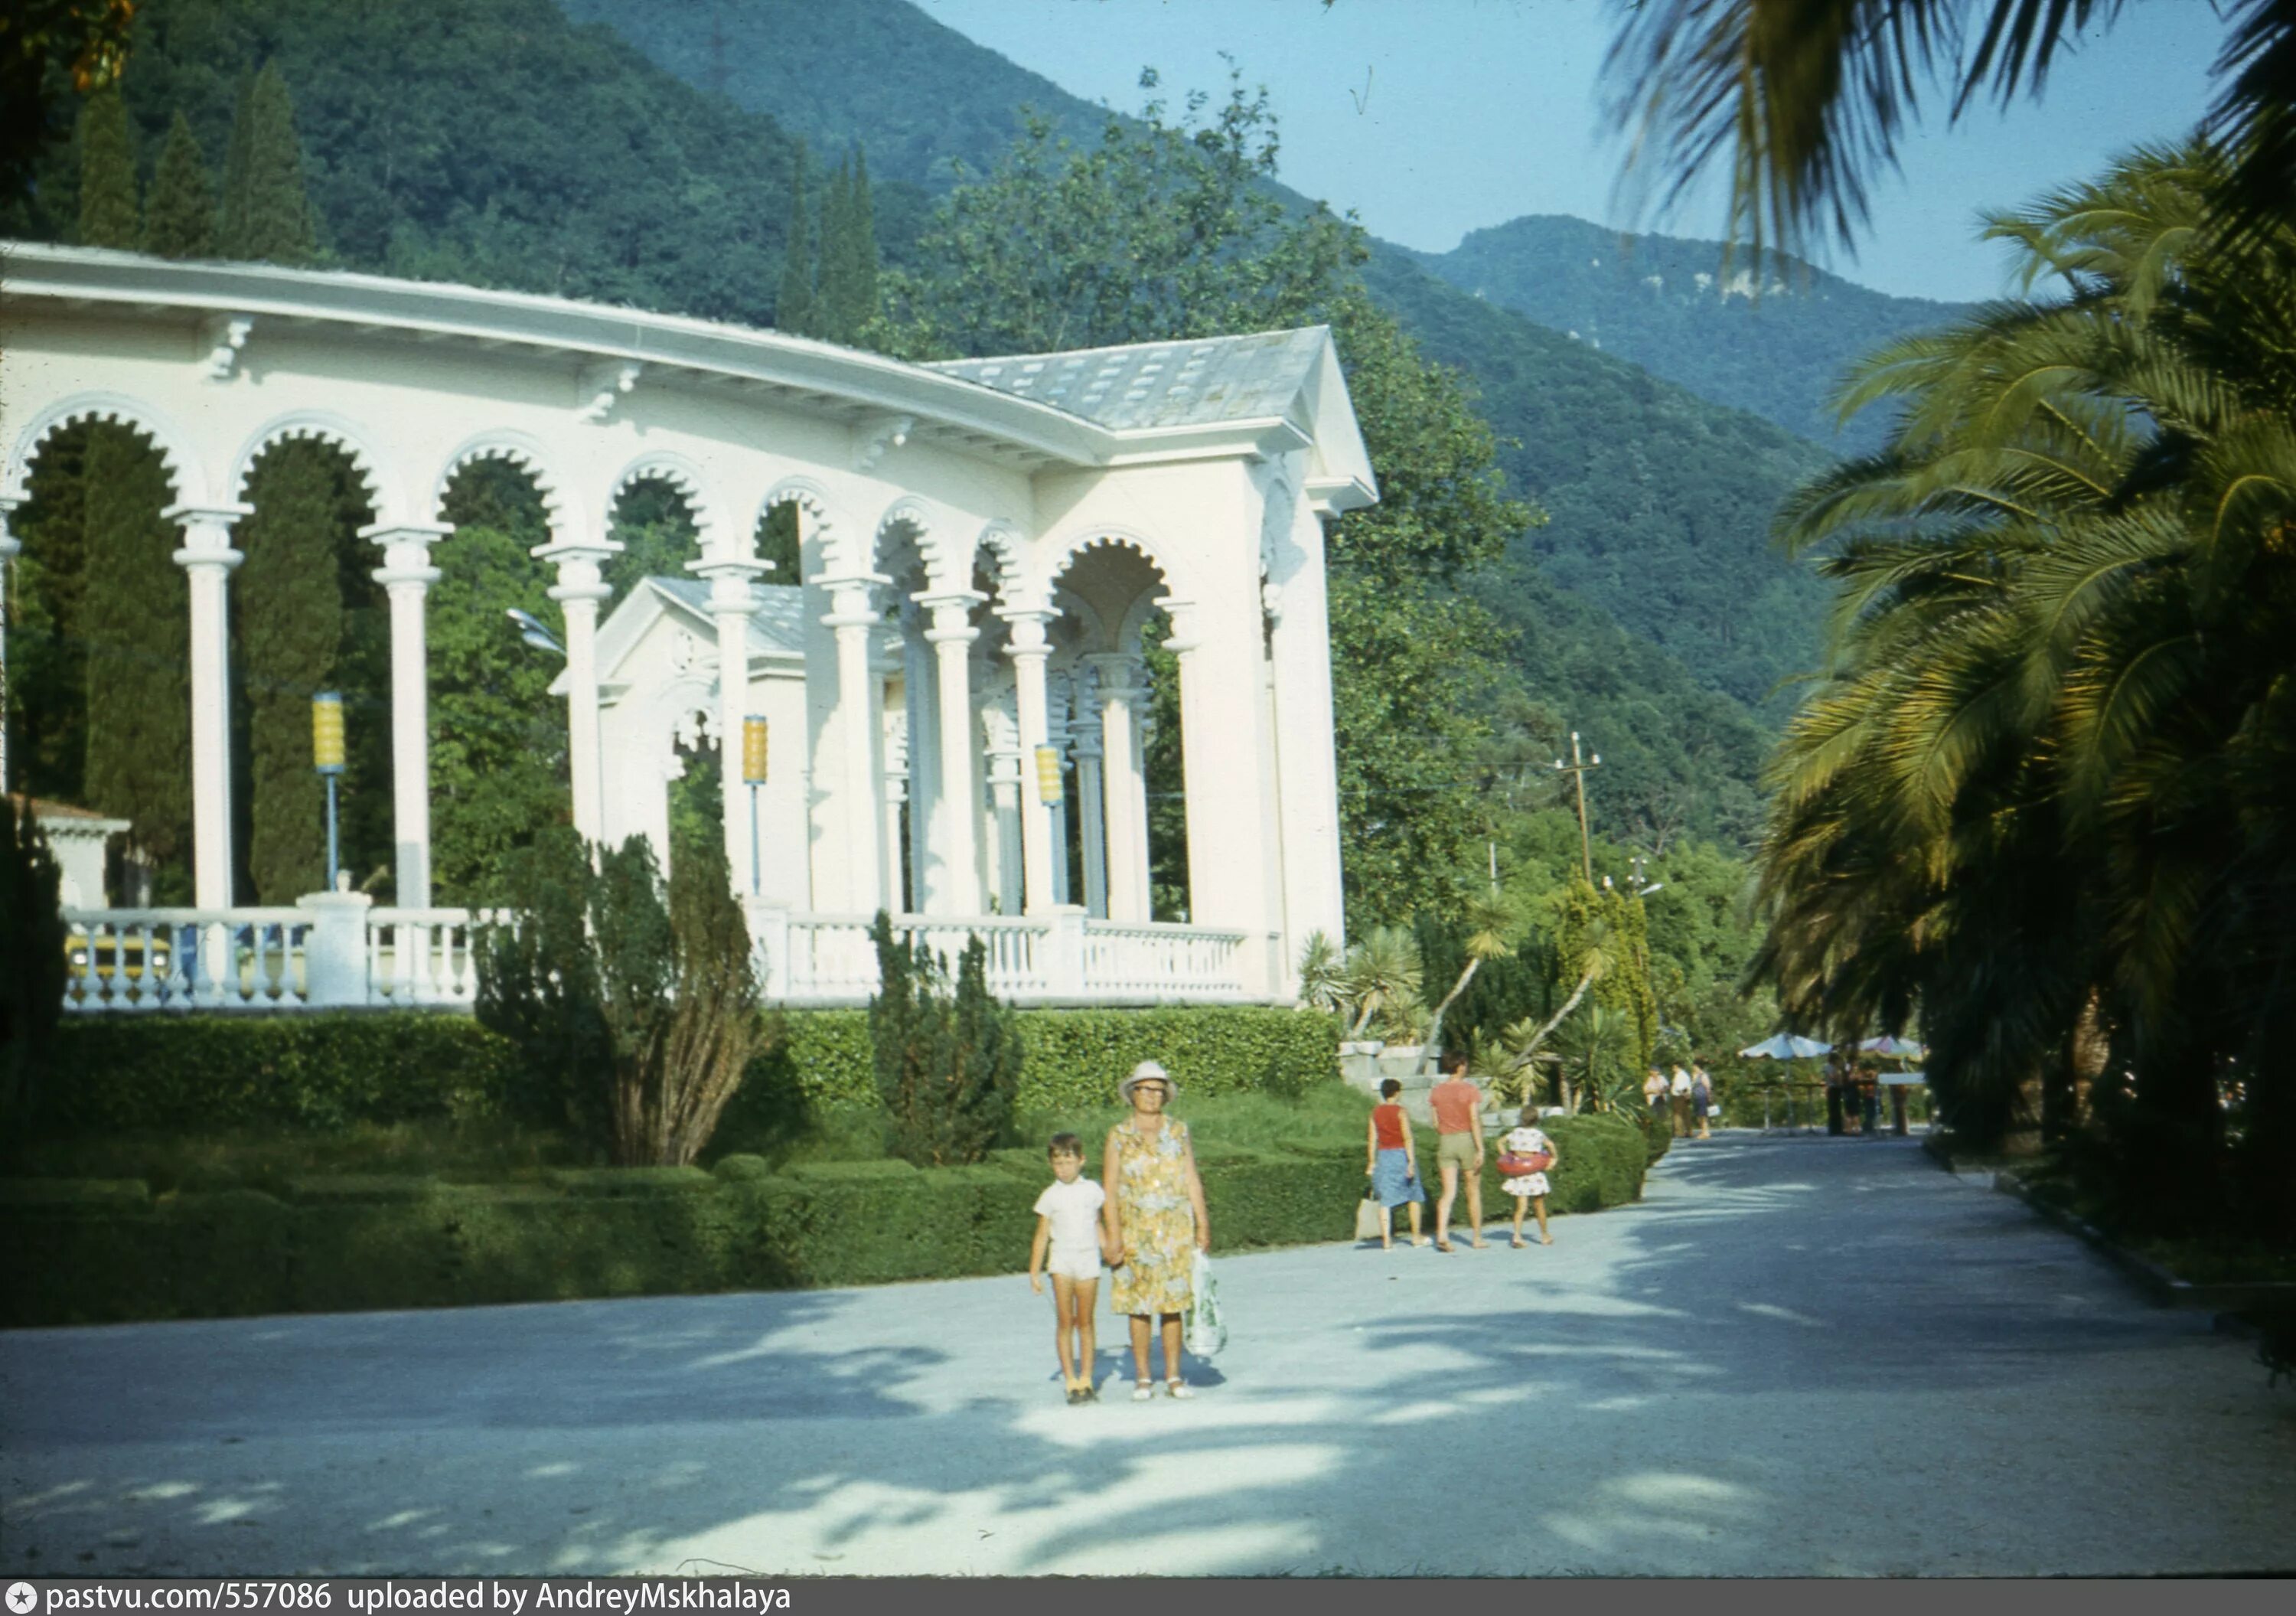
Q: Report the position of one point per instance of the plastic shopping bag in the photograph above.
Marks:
(1367, 1217)
(1207, 1333)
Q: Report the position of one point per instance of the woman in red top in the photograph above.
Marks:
(1392, 1164)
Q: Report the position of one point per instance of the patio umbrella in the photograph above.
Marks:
(1786, 1046)
(1900, 1048)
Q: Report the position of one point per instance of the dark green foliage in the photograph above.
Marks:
(179, 214)
(269, 218)
(946, 1067)
(47, 656)
(1701, 326)
(848, 300)
(107, 175)
(32, 964)
(498, 736)
(794, 305)
(289, 625)
(231, 207)
(669, 1105)
(137, 623)
(316, 1072)
(541, 986)
(76, 1251)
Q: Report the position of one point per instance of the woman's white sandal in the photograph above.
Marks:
(1178, 1389)
(1142, 1390)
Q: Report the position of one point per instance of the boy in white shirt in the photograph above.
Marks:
(1067, 1223)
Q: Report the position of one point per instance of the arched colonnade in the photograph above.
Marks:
(983, 545)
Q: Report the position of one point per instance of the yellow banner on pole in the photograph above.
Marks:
(753, 750)
(327, 733)
(1049, 776)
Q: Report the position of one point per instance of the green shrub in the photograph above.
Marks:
(1076, 1057)
(945, 1067)
(33, 969)
(317, 1071)
(79, 1252)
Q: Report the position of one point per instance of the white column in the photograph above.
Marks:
(1056, 732)
(578, 591)
(732, 605)
(1091, 819)
(208, 557)
(896, 793)
(951, 637)
(1307, 768)
(406, 576)
(1122, 788)
(1233, 872)
(852, 618)
(1029, 650)
(1003, 746)
(926, 876)
(9, 548)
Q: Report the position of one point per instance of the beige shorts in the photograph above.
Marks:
(1460, 1148)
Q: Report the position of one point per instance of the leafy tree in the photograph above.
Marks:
(106, 174)
(849, 301)
(290, 632)
(499, 754)
(947, 1068)
(794, 305)
(45, 44)
(48, 648)
(136, 617)
(269, 218)
(179, 213)
(33, 972)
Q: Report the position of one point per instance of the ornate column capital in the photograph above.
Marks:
(406, 548)
(578, 561)
(730, 577)
(9, 545)
(852, 599)
(207, 534)
(1027, 628)
(952, 612)
(1120, 671)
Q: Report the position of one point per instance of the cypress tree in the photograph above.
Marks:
(860, 250)
(136, 617)
(275, 227)
(289, 625)
(231, 215)
(180, 212)
(106, 174)
(793, 306)
(834, 301)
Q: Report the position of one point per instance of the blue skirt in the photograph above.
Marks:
(1393, 1181)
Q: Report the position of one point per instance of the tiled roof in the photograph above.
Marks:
(777, 625)
(1160, 384)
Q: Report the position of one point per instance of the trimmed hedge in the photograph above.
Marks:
(101, 1253)
(318, 1073)
(325, 1072)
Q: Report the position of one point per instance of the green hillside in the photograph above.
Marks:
(1667, 305)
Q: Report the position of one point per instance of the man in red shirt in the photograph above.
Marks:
(1459, 1145)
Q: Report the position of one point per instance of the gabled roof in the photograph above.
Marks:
(776, 625)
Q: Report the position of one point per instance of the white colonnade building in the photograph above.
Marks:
(983, 546)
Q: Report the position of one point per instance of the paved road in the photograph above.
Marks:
(1798, 1356)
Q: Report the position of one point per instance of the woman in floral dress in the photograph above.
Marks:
(1156, 1222)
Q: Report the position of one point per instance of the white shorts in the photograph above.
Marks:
(1074, 1265)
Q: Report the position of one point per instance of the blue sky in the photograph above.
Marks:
(1432, 118)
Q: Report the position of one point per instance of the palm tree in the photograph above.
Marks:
(1597, 1047)
(1383, 976)
(1322, 974)
(2039, 788)
(1490, 919)
(1804, 99)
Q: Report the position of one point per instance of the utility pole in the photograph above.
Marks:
(1576, 769)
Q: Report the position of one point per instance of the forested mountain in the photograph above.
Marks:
(1661, 501)
(1668, 305)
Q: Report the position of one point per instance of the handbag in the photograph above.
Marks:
(1367, 1216)
(1514, 1165)
(1207, 1331)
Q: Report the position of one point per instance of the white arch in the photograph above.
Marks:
(1016, 589)
(664, 465)
(527, 454)
(931, 530)
(813, 500)
(319, 426)
(1064, 553)
(183, 472)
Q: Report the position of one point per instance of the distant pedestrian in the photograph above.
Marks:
(1869, 1100)
(1897, 1109)
(1655, 1097)
(1458, 1146)
(1393, 1166)
(1679, 1093)
(1834, 1080)
(1529, 1189)
(1154, 1216)
(1702, 1099)
(1068, 1244)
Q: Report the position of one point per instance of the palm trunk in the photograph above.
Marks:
(1530, 1046)
(1435, 1023)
